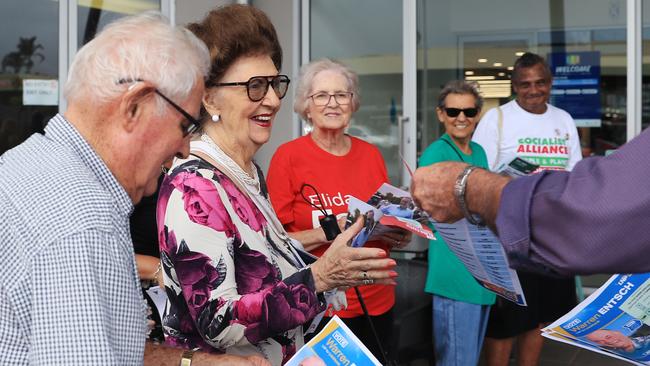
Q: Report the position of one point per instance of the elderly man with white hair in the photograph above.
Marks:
(70, 288)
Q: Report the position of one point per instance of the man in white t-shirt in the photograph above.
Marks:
(529, 128)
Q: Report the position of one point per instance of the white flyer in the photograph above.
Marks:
(481, 252)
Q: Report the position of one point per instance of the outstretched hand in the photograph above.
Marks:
(344, 266)
(432, 189)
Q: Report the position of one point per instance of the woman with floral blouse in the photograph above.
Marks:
(235, 280)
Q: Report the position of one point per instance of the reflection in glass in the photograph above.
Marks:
(472, 40)
(94, 15)
(372, 47)
(29, 49)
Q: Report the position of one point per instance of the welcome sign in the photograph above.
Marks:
(576, 85)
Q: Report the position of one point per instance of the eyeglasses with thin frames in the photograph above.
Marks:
(323, 99)
(187, 130)
(258, 86)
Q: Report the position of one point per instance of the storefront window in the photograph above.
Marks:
(29, 45)
(479, 41)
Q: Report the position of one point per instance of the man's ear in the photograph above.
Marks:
(133, 102)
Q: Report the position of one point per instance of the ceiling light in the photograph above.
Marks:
(510, 68)
(482, 60)
(480, 77)
(502, 74)
(469, 72)
(519, 53)
(497, 64)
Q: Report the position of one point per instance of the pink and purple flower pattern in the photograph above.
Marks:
(273, 296)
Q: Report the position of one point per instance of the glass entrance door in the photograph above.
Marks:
(479, 41)
(373, 47)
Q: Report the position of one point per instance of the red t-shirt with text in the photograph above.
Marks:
(359, 173)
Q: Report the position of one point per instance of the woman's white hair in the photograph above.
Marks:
(139, 47)
(306, 79)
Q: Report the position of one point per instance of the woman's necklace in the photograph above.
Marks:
(252, 182)
(340, 149)
(252, 185)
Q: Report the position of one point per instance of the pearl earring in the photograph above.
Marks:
(216, 118)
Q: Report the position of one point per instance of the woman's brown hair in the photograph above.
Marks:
(233, 31)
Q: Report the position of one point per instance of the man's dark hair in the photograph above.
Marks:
(528, 60)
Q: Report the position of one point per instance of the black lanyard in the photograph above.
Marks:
(456, 151)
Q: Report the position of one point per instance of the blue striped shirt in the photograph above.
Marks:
(70, 290)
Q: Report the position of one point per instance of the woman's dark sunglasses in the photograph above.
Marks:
(258, 86)
(454, 112)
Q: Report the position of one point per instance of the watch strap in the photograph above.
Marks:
(186, 358)
(459, 191)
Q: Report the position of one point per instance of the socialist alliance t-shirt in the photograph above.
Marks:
(549, 140)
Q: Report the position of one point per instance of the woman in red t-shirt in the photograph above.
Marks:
(338, 166)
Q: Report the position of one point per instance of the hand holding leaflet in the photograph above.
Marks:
(614, 320)
(391, 208)
(518, 167)
(335, 345)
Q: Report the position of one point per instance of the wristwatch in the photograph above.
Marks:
(186, 358)
(459, 191)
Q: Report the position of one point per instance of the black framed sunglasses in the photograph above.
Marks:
(194, 125)
(258, 86)
(454, 112)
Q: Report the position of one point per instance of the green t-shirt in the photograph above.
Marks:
(447, 275)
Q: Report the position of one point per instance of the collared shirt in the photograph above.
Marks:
(591, 220)
(70, 290)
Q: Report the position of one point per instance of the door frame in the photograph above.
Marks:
(68, 38)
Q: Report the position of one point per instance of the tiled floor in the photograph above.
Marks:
(560, 354)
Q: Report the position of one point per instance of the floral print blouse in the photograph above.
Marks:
(232, 284)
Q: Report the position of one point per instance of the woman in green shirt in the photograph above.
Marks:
(460, 305)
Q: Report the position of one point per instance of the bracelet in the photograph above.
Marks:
(459, 191)
(186, 358)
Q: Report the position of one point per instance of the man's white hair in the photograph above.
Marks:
(139, 47)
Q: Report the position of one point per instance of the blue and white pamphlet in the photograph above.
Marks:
(614, 320)
(335, 345)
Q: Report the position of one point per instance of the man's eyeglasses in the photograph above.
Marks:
(187, 130)
(341, 98)
(258, 86)
(454, 112)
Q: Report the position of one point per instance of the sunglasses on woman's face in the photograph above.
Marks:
(454, 112)
(258, 86)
